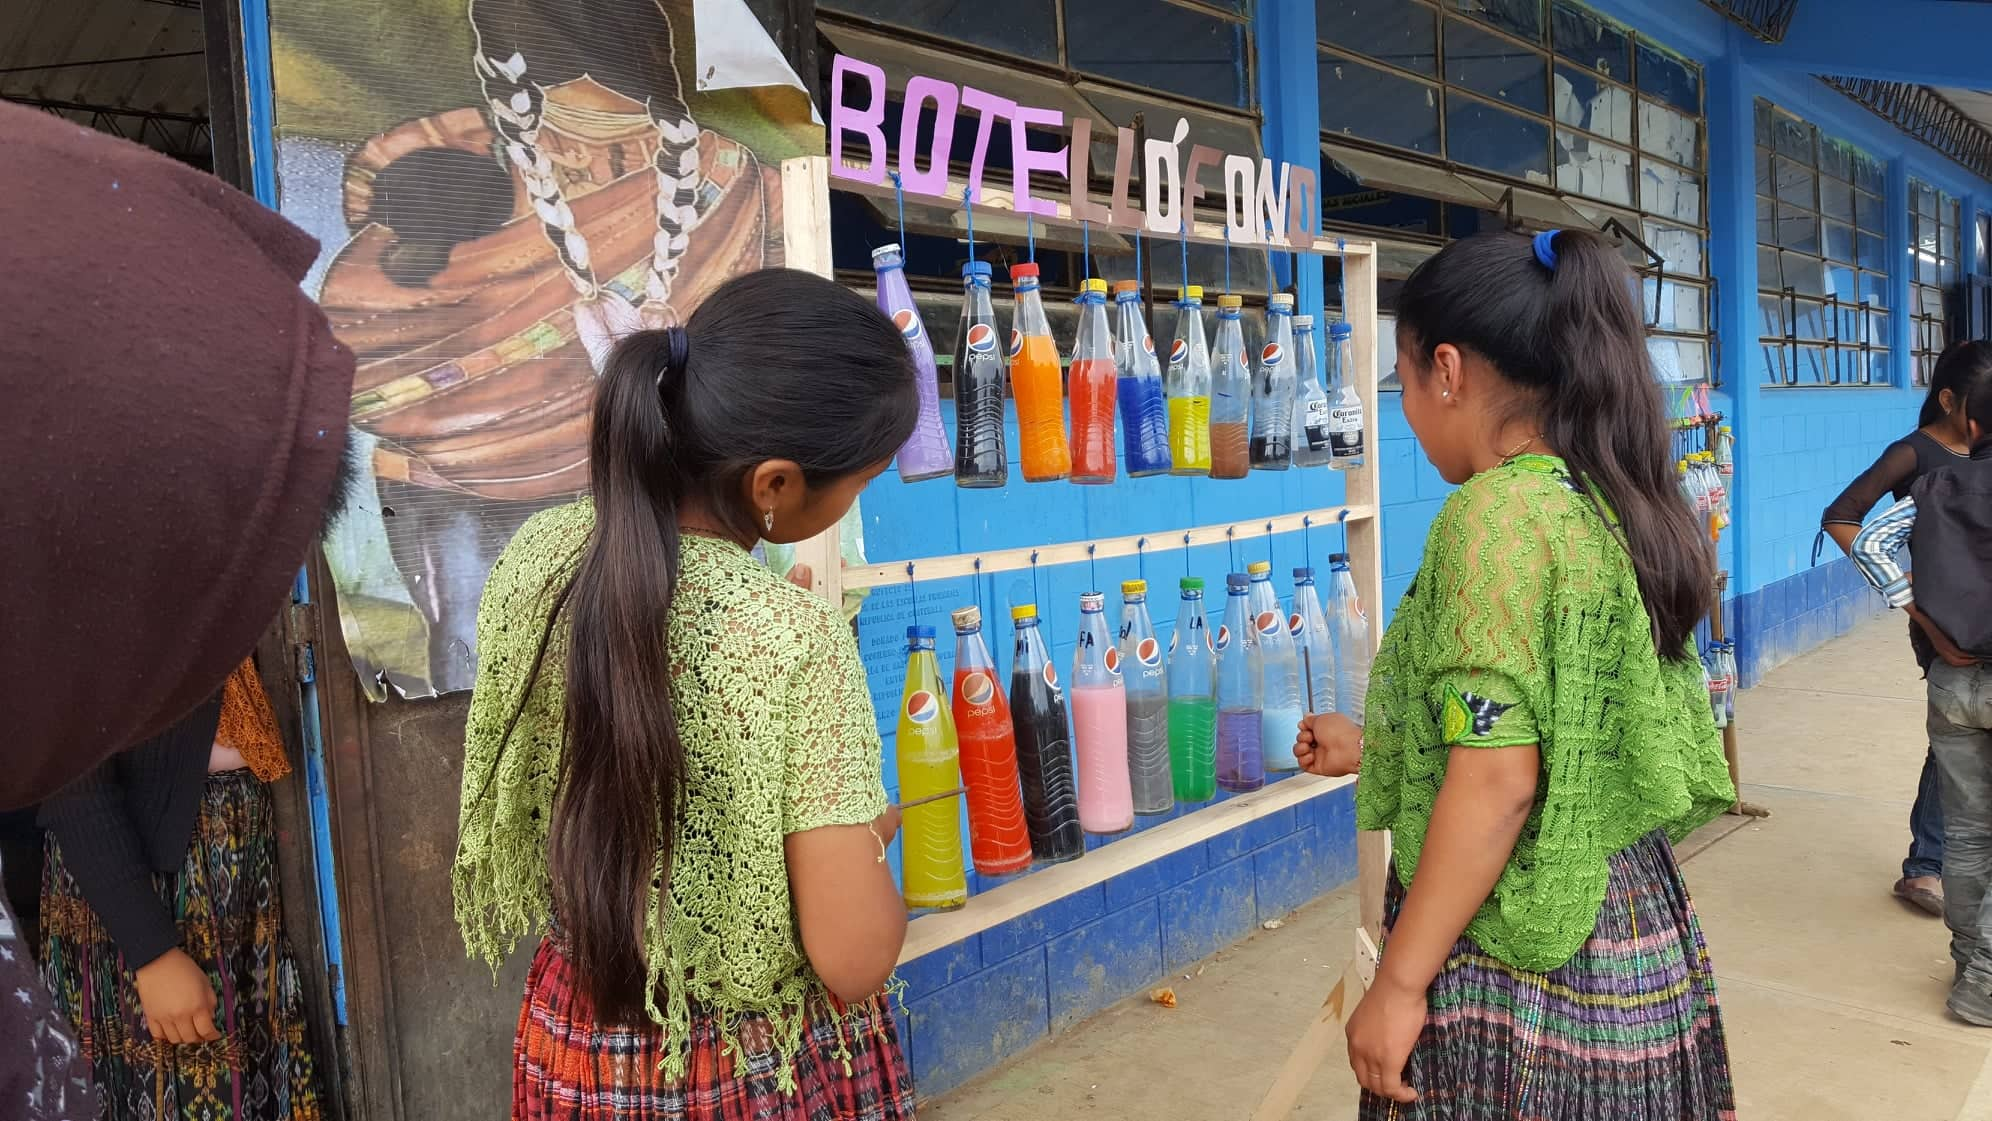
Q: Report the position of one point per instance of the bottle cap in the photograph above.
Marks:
(1237, 581)
(1134, 587)
(1193, 292)
(1259, 568)
(975, 268)
(1126, 286)
(884, 249)
(967, 618)
(918, 632)
(1232, 302)
(1023, 269)
(1303, 574)
(1340, 330)
(1281, 301)
(1023, 611)
(1092, 601)
(1338, 558)
(1303, 323)
(1094, 286)
(1191, 583)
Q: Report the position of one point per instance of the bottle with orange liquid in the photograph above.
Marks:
(1042, 452)
(1230, 394)
(999, 842)
(1095, 381)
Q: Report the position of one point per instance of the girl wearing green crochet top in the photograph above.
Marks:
(671, 764)
(1538, 734)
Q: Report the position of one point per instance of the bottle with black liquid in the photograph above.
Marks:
(1044, 746)
(980, 461)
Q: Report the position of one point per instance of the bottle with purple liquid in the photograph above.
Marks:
(926, 454)
(1241, 763)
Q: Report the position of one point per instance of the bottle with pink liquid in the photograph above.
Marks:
(926, 453)
(1099, 723)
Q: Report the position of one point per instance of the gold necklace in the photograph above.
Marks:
(1517, 450)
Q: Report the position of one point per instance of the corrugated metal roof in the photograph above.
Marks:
(108, 63)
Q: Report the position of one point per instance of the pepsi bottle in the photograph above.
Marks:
(1044, 745)
(978, 388)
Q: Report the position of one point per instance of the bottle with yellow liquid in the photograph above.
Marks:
(929, 763)
(1187, 383)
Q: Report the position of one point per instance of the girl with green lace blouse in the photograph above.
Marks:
(1538, 733)
(671, 764)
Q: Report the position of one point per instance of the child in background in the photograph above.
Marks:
(1947, 523)
(162, 923)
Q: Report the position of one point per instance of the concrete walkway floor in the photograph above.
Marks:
(1832, 991)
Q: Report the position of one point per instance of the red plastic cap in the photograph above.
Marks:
(1028, 268)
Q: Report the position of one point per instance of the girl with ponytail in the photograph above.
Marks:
(1538, 732)
(671, 763)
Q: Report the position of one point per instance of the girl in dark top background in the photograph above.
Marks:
(1940, 438)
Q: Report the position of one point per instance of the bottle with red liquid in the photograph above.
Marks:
(999, 842)
(926, 454)
(1094, 388)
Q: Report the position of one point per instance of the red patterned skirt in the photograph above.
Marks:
(567, 1067)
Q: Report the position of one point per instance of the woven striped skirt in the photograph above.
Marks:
(1627, 1030)
(566, 1067)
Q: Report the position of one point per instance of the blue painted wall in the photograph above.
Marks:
(976, 1003)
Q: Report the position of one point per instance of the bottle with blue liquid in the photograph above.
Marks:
(1144, 408)
(1280, 709)
(1241, 762)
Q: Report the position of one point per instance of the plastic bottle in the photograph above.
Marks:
(933, 877)
(1192, 699)
(978, 388)
(1718, 687)
(1313, 642)
(1346, 423)
(1725, 450)
(1035, 381)
(998, 841)
(1280, 704)
(1143, 412)
(1312, 445)
(925, 454)
(1099, 723)
(1044, 746)
(1094, 381)
(1147, 689)
(1714, 690)
(1230, 394)
(1352, 642)
(1188, 385)
(1241, 760)
(1273, 390)
(1733, 675)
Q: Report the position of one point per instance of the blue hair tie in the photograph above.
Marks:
(1546, 252)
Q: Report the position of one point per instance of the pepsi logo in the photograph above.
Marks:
(908, 322)
(1179, 351)
(982, 338)
(1016, 343)
(922, 707)
(1223, 637)
(1050, 675)
(977, 689)
(1148, 344)
(1268, 622)
(1149, 652)
(1296, 624)
(1113, 660)
(1173, 636)
(1272, 354)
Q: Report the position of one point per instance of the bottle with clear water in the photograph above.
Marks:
(1316, 646)
(1345, 406)
(1352, 639)
(1312, 444)
(1730, 671)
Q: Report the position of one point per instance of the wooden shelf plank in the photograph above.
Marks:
(1072, 552)
(1000, 904)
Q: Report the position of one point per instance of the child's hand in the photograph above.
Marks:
(1330, 745)
(177, 999)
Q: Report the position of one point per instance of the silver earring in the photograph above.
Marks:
(768, 519)
(1445, 393)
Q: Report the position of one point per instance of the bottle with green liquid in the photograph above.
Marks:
(933, 878)
(1192, 699)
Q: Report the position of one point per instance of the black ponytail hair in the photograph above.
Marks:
(1570, 337)
(1961, 367)
(775, 364)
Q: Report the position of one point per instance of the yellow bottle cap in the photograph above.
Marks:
(1259, 568)
(1193, 292)
(1231, 301)
(1094, 286)
(1134, 587)
(1023, 611)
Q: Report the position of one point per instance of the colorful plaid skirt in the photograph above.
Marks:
(226, 900)
(566, 1067)
(1627, 1030)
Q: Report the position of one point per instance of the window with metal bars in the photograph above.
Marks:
(1431, 108)
(1822, 259)
(1937, 240)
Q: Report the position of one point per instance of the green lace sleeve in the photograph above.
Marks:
(832, 771)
